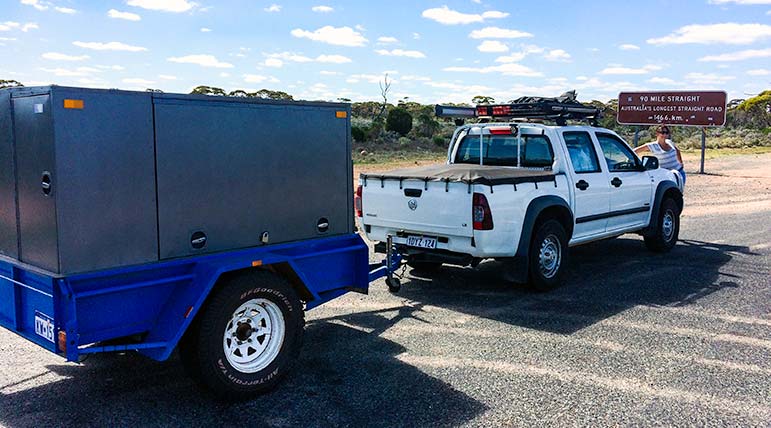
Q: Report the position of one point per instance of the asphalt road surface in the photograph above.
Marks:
(633, 338)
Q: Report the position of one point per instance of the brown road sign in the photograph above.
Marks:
(685, 108)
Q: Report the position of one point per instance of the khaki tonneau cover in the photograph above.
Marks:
(466, 173)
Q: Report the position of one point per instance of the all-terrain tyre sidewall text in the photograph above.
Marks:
(214, 370)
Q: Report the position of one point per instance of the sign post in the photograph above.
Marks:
(674, 108)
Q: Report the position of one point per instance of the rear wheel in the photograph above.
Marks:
(246, 337)
(664, 237)
(548, 255)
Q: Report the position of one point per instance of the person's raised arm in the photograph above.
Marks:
(641, 150)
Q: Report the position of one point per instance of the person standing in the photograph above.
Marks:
(664, 150)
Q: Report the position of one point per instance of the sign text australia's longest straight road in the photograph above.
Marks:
(686, 108)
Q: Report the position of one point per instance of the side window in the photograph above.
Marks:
(581, 151)
(537, 151)
(617, 154)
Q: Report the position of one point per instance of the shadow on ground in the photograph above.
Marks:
(604, 279)
(345, 377)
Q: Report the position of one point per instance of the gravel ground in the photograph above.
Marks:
(633, 338)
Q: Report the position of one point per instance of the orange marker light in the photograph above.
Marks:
(62, 341)
(341, 114)
(74, 104)
(257, 263)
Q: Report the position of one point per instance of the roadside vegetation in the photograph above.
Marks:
(388, 132)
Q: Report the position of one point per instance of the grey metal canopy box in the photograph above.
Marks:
(98, 179)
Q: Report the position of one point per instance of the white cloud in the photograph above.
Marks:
(416, 36)
(65, 10)
(498, 33)
(758, 72)
(202, 60)
(707, 78)
(29, 26)
(509, 69)
(445, 15)
(411, 77)
(273, 62)
(167, 77)
(342, 36)
(662, 81)
(557, 55)
(37, 4)
(727, 33)
(111, 67)
(401, 52)
(738, 56)
(256, 78)
(109, 46)
(205, 30)
(293, 57)
(128, 16)
(163, 5)
(329, 73)
(55, 56)
(333, 59)
(273, 8)
(513, 57)
(322, 9)
(369, 78)
(492, 46)
(138, 81)
(629, 47)
(385, 40)
(617, 69)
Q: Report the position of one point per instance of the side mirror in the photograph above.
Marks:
(650, 162)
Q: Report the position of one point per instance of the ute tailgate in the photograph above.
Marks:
(431, 208)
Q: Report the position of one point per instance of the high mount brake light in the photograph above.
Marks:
(357, 202)
(480, 211)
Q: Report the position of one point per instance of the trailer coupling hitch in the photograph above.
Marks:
(387, 267)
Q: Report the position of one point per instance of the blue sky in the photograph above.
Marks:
(433, 51)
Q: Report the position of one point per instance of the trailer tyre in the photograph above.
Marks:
(246, 337)
(548, 255)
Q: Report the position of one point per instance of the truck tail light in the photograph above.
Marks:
(357, 205)
(482, 216)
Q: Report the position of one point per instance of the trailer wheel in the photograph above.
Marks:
(246, 337)
(548, 255)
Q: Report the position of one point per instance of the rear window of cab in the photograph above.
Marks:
(501, 150)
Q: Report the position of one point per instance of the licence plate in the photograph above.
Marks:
(44, 326)
(421, 242)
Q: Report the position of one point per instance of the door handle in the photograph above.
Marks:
(582, 185)
(616, 181)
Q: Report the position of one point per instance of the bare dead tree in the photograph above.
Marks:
(385, 86)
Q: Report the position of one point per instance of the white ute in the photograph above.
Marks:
(534, 192)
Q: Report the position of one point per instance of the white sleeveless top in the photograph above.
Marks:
(667, 158)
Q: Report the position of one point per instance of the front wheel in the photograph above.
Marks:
(548, 256)
(664, 237)
(246, 337)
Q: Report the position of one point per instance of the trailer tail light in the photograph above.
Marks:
(357, 205)
(62, 341)
(482, 216)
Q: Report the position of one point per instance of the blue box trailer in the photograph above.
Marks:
(147, 222)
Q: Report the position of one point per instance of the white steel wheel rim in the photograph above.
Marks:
(668, 225)
(254, 335)
(550, 256)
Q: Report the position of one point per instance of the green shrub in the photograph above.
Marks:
(359, 134)
(399, 120)
(440, 141)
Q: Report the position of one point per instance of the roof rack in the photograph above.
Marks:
(560, 109)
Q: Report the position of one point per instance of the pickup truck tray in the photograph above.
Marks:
(466, 173)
